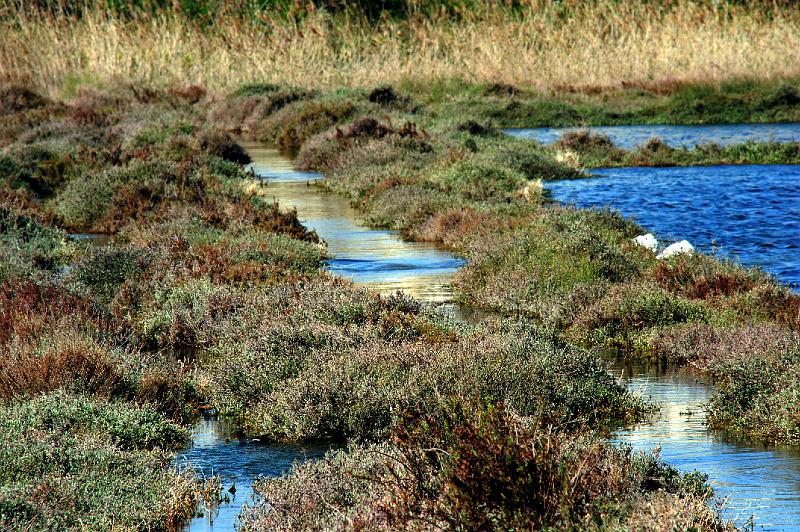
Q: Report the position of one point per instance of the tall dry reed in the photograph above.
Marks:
(600, 44)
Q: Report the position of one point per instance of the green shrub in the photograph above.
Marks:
(357, 393)
(631, 308)
(477, 181)
(104, 269)
(28, 247)
(291, 126)
(85, 199)
(757, 395)
(70, 463)
(479, 469)
(180, 315)
(534, 267)
(286, 255)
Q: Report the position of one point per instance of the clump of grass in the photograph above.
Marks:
(476, 469)
(30, 248)
(222, 145)
(754, 397)
(70, 462)
(71, 364)
(251, 103)
(291, 126)
(710, 348)
(40, 168)
(657, 153)
(534, 268)
(340, 392)
(104, 269)
(626, 310)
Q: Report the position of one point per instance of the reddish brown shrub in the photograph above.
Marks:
(382, 95)
(777, 303)
(19, 199)
(470, 471)
(276, 220)
(74, 365)
(171, 394)
(583, 139)
(91, 109)
(28, 311)
(719, 285)
(190, 94)
(16, 98)
(454, 226)
(698, 279)
(655, 144)
(366, 127)
(133, 201)
(222, 145)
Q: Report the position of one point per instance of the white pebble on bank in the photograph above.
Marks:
(676, 249)
(647, 241)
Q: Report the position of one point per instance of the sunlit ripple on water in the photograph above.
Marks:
(759, 482)
(376, 258)
(749, 213)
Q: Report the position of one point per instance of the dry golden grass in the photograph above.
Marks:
(604, 44)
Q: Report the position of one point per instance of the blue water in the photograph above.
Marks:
(747, 213)
(237, 461)
(378, 259)
(756, 482)
(750, 212)
(629, 137)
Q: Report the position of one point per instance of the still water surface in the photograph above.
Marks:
(758, 482)
(749, 213)
(764, 483)
(237, 460)
(629, 137)
(376, 258)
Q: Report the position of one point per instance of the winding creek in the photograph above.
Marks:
(759, 482)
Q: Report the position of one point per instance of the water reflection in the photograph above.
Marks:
(376, 258)
(629, 137)
(217, 450)
(759, 482)
(373, 257)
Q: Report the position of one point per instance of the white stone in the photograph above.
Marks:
(676, 249)
(647, 241)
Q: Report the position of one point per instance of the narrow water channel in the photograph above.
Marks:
(764, 483)
(758, 482)
(378, 259)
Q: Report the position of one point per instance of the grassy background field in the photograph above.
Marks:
(578, 47)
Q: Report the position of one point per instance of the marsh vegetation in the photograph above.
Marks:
(208, 295)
